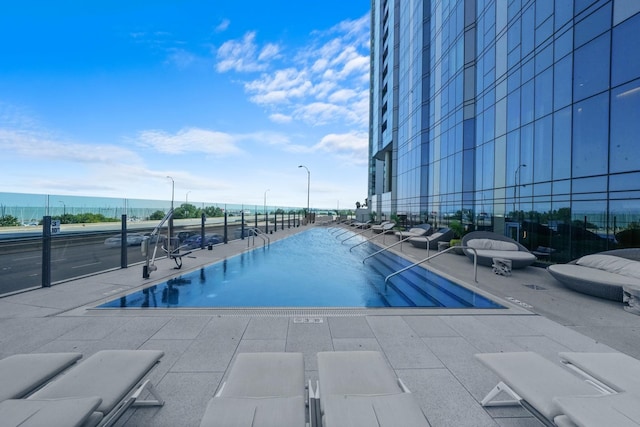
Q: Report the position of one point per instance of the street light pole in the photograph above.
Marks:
(516, 184)
(186, 198)
(266, 218)
(64, 208)
(308, 189)
(265, 200)
(170, 226)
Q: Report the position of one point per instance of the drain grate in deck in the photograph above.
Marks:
(536, 287)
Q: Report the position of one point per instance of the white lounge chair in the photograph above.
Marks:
(117, 377)
(70, 412)
(616, 371)
(488, 245)
(383, 227)
(603, 275)
(261, 390)
(22, 374)
(534, 382)
(412, 232)
(431, 242)
(359, 389)
(619, 410)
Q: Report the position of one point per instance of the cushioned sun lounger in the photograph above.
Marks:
(533, 382)
(22, 374)
(115, 376)
(358, 388)
(619, 410)
(617, 371)
(261, 390)
(71, 412)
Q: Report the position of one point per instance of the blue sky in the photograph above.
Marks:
(108, 98)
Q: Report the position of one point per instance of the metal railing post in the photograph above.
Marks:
(46, 252)
(226, 235)
(124, 246)
(203, 218)
(242, 226)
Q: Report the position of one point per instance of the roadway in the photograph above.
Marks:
(79, 250)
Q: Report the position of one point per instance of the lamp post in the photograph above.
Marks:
(265, 200)
(186, 198)
(64, 208)
(266, 218)
(308, 188)
(170, 231)
(516, 184)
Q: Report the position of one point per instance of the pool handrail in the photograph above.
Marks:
(361, 226)
(255, 231)
(383, 249)
(475, 263)
(356, 234)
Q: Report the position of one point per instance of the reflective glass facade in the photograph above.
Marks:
(519, 117)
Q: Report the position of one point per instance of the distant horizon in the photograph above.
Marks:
(226, 99)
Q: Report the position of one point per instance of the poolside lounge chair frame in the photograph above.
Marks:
(96, 375)
(362, 386)
(534, 382)
(23, 374)
(269, 386)
(431, 242)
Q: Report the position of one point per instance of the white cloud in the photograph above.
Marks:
(180, 58)
(280, 118)
(191, 140)
(349, 148)
(242, 55)
(222, 26)
(323, 83)
(37, 145)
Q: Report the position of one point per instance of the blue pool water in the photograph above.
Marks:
(313, 268)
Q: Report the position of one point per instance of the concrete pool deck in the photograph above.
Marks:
(430, 350)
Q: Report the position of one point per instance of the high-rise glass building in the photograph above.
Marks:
(520, 117)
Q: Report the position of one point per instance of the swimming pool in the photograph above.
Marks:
(309, 269)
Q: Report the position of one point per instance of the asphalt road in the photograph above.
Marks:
(21, 260)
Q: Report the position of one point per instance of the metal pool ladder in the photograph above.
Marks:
(255, 231)
(402, 270)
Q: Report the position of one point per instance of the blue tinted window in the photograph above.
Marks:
(593, 25)
(562, 83)
(513, 110)
(543, 32)
(527, 103)
(544, 96)
(591, 68)
(625, 181)
(544, 59)
(528, 31)
(543, 136)
(626, 55)
(563, 45)
(562, 144)
(590, 136)
(563, 12)
(581, 5)
(526, 153)
(625, 128)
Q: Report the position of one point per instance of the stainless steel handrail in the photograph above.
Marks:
(383, 249)
(475, 263)
(255, 231)
(351, 237)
